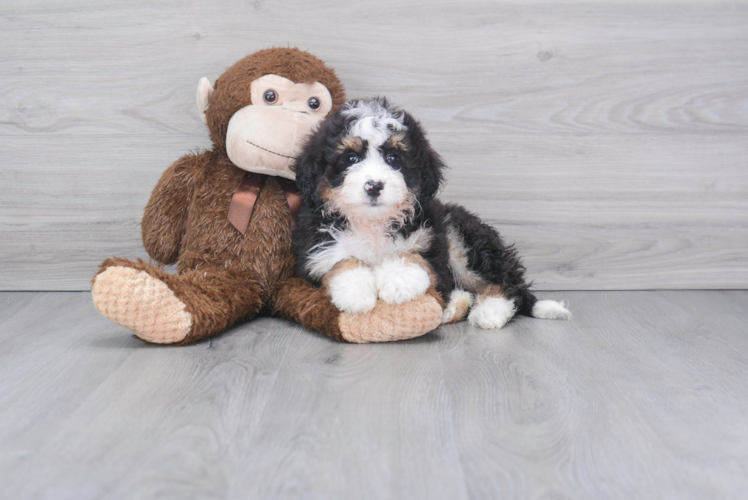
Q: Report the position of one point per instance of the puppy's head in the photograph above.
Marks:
(370, 162)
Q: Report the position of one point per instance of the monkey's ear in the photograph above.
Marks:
(204, 93)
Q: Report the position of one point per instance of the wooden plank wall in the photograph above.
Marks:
(607, 139)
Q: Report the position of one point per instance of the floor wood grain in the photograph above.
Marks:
(607, 138)
(642, 395)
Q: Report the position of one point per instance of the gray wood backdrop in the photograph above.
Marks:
(609, 140)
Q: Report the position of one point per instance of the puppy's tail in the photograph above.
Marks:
(543, 309)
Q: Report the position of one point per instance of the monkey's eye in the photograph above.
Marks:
(313, 103)
(391, 157)
(351, 158)
(270, 96)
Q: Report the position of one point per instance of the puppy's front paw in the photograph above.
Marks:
(399, 281)
(354, 290)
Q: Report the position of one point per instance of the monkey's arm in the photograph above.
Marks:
(166, 212)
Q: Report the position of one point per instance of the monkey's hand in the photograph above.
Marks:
(166, 212)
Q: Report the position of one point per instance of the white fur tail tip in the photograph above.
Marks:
(550, 309)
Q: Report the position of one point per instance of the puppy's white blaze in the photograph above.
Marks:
(491, 313)
(369, 244)
(373, 122)
(372, 108)
(550, 309)
(399, 282)
(354, 291)
(367, 128)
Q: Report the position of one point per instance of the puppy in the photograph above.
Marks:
(370, 227)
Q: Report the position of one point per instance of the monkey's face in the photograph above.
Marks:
(266, 136)
(265, 105)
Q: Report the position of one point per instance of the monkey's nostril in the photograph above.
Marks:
(373, 188)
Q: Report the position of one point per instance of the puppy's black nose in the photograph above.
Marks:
(373, 188)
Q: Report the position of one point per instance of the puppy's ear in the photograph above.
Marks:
(430, 164)
(309, 170)
(310, 167)
(316, 156)
(433, 175)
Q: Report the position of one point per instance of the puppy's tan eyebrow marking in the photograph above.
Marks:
(324, 190)
(396, 141)
(353, 143)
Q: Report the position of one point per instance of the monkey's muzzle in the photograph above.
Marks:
(267, 139)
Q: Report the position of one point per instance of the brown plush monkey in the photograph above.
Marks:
(225, 216)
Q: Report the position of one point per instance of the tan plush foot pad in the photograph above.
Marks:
(142, 303)
(388, 322)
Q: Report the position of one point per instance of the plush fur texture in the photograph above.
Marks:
(222, 275)
(368, 179)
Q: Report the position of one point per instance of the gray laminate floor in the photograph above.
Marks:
(643, 395)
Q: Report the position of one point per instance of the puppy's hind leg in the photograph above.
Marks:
(494, 271)
(460, 302)
(491, 310)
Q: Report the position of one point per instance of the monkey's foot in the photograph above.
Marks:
(388, 322)
(141, 302)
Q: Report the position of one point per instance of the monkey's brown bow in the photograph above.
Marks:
(243, 201)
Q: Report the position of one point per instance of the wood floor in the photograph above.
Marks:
(642, 395)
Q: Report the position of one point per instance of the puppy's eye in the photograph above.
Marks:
(313, 104)
(391, 157)
(270, 96)
(351, 158)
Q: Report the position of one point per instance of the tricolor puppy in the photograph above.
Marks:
(370, 227)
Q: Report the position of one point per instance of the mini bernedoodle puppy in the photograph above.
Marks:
(370, 227)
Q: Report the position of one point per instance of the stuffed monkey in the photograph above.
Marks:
(225, 217)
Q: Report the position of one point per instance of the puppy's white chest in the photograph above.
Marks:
(370, 245)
